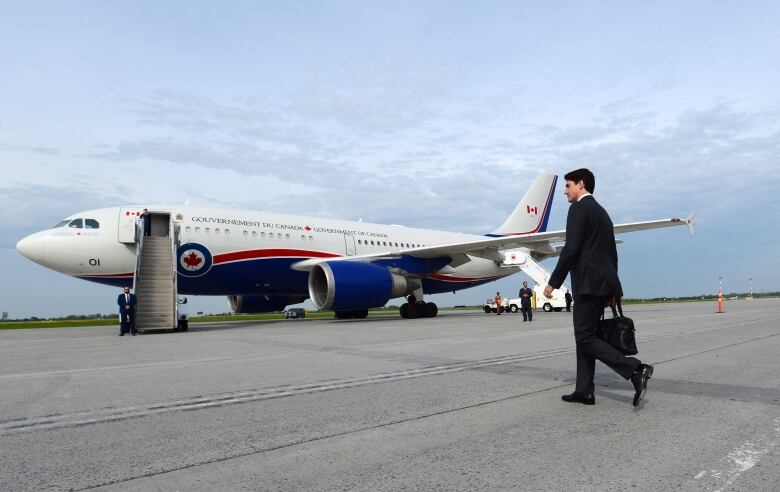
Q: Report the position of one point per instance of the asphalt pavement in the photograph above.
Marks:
(465, 401)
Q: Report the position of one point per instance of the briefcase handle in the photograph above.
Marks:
(614, 310)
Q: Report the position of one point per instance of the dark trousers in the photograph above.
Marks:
(528, 315)
(590, 347)
(126, 324)
(568, 306)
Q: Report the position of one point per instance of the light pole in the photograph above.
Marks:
(750, 280)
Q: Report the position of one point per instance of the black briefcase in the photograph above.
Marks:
(618, 331)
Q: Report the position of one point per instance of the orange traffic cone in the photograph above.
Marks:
(720, 302)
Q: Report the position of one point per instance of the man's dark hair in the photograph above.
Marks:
(583, 175)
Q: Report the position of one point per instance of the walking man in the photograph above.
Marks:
(568, 300)
(498, 303)
(590, 255)
(525, 302)
(126, 302)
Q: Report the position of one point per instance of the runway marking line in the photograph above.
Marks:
(739, 460)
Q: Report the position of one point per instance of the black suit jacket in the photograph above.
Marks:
(120, 300)
(590, 253)
(525, 301)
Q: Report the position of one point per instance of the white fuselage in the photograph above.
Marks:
(250, 252)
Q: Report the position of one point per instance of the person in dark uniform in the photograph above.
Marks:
(126, 302)
(568, 300)
(590, 255)
(525, 302)
(147, 222)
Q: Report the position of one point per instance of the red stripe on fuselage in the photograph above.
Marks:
(253, 254)
(450, 278)
(107, 275)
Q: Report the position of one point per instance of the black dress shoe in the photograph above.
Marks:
(121, 334)
(639, 380)
(577, 398)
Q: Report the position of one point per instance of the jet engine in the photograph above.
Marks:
(353, 285)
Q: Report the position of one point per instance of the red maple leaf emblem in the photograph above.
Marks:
(307, 228)
(192, 260)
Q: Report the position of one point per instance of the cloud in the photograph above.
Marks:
(30, 149)
(453, 174)
(26, 208)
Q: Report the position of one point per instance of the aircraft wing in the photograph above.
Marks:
(491, 247)
(539, 242)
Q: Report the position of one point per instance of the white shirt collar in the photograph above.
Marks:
(583, 196)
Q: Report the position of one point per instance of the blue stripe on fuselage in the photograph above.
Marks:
(268, 276)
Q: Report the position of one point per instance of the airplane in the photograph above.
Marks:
(266, 261)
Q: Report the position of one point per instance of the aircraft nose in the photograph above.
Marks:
(33, 248)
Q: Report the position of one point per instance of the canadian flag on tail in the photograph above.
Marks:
(532, 210)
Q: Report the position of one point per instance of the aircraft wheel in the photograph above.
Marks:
(487, 309)
(431, 310)
(405, 310)
(547, 307)
(513, 308)
(360, 314)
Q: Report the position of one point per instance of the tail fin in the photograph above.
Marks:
(533, 211)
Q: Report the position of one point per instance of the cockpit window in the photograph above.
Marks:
(91, 224)
(75, 223)
(61, 224)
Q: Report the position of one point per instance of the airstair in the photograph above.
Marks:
(522, 258)
(155, 275)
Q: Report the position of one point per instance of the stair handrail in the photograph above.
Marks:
(139, 247)
(174, 247)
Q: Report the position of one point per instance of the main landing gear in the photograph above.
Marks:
(418, 309)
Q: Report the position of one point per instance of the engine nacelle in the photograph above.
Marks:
(350, 285)
(260, 304)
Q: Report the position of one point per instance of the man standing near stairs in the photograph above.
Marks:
(126, 302)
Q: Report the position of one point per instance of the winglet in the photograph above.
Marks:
(689, 222)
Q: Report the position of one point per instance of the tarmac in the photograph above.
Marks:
(464, 401)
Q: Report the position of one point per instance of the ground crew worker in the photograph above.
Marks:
(498, 303)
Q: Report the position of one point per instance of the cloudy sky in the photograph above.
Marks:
(429, 114)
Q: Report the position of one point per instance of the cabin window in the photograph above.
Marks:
(254, 233)
(207, 230)
(216, 230)
(303, 237)
(270, 235)
(76, 224)
(227, 232)
(91, 224)
(287, 236)
(246, 233)
(262, 234)
(197, 230)
(311, 238)
(188, 228)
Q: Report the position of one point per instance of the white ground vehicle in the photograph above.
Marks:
(511, 305)
(557, 303)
